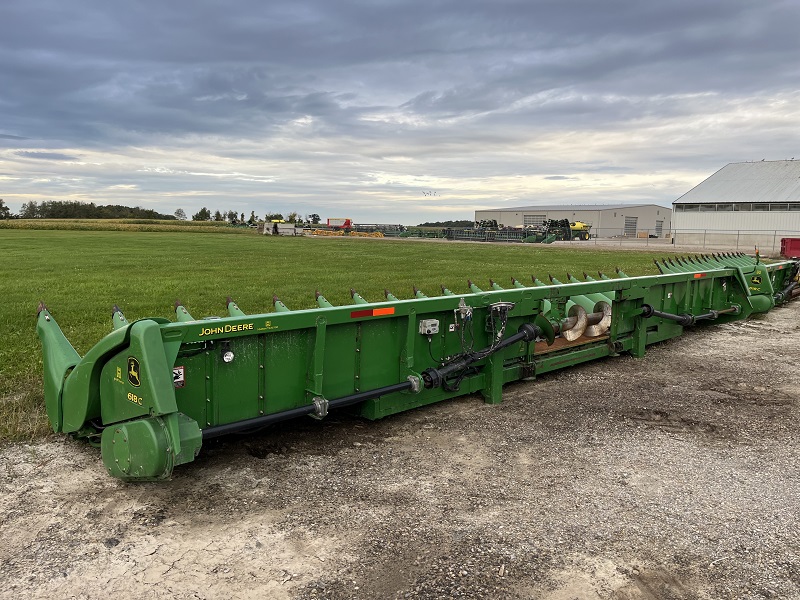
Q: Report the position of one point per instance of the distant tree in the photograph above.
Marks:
(232, 216)
(180, 214)
(218, 216)
(314, 218)
(252, 219)
(274, 217)
(447, 224)
(292, 217)
(5, 212)
(242, 219)
(202, 215)
(29, 210)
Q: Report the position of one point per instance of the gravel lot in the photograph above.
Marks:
(670, 477)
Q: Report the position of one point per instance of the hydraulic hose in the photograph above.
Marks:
(685, 319)
(255, 423)
(786, 293)
(432, 378)
(790, 290)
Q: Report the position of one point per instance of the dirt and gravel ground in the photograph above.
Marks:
(672, 477)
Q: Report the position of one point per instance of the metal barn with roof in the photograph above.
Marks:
(607, 220)
(749, 203)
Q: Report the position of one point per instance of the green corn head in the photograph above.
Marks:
(151, 391)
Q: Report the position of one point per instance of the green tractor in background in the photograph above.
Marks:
(559, 230)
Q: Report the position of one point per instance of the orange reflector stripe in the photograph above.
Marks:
(372, 312)
(699, 275)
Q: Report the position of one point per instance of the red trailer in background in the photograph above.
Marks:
(340, 223)
(790, 247)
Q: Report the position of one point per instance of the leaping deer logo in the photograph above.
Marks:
(134, 377)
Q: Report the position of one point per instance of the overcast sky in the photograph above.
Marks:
(389, 111)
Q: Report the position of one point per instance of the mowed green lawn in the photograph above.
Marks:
(80, 275)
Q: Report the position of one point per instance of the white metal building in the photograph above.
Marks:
(607, 220)
(742, 204)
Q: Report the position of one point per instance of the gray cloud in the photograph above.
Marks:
(44, 155)
(336, 105)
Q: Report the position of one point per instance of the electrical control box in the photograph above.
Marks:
(429, 326)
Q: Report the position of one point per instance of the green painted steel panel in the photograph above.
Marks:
(234, 385)
(285, 356)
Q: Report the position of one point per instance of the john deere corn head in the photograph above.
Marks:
(153, 390)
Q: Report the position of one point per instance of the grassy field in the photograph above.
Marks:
(81, 274)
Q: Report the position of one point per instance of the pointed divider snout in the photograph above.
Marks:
(357, 299)
(279, 306)
(418, 293)
(181, 313)
(390, 296)
(117, 318)
(233, 309)
(473, 288)
(321, 301)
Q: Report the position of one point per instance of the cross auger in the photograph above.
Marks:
(152, 391)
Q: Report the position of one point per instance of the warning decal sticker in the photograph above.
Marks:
(178, 376)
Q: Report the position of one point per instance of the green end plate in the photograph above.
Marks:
(547, 328)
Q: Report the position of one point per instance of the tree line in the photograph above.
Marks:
(447, 224)
(64, 209)
(234, 218)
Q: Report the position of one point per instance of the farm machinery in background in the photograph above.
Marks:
(548, 232)
(345, 227)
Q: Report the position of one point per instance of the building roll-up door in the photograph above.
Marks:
(630, 226)
(533, 220)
